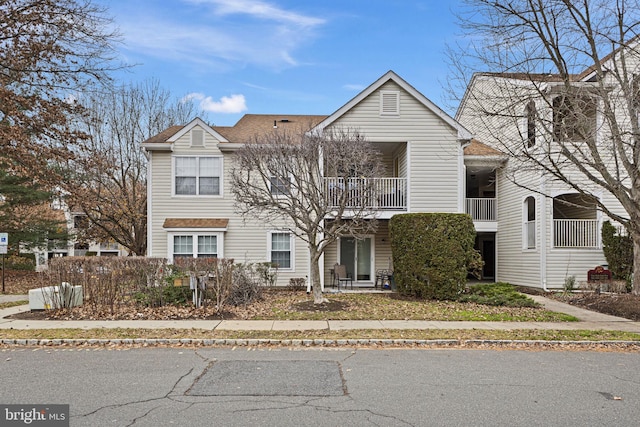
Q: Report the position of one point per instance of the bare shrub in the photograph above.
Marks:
(246, 286)
(107, 282)
(297, 283)
(210, 278)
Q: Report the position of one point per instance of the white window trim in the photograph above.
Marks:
(292, 248)
(282, 194)
(210, 196)
(395, 113)
(525, 235)
(194, 233)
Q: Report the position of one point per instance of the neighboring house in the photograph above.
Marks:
(547, 231)
(75, 221)
(190, 205)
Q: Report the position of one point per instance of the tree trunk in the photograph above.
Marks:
(635, 284)
(318, 298)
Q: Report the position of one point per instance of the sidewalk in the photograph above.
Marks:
(589, 320)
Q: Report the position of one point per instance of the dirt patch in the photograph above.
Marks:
(325, 307)
(621, 305)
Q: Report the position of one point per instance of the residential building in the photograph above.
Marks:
(550, 226)
(75, 222)
(191, 208)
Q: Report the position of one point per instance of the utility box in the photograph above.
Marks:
(53, 297)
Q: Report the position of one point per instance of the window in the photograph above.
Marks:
(530, 114)
(197, 176)
(389, 103)
(207, 247)
(195, 246)
(529, 229)
(280, 250)
(574, 118)
(183, 246)
(279, 186)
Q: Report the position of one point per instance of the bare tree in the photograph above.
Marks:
(48, 51)
(315, 186)
(107, 180)
(562, 98)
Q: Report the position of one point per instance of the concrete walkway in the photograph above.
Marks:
(589, 320)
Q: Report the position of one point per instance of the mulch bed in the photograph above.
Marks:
(19, 282)
(621, 305)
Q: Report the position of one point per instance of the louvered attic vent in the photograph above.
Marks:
(389, 103)
(197, 138)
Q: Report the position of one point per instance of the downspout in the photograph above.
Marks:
(148, 155)
(462, 177)
(543, 235)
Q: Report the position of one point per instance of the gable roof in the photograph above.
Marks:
(463, 133)
(196, 122)
(164, 135)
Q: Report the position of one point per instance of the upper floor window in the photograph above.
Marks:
(530, 114)
(574, 118)
(279, 186)
(197, 175)
(635, 92)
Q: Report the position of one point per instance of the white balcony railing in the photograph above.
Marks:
(575, 233)
(374, 193)
(481, 209)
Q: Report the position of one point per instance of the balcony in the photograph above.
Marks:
(374, 193)
(576, 233)
(481, 209)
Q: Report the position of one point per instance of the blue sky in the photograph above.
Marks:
(283, 56)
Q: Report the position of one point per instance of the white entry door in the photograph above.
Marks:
(357, 255)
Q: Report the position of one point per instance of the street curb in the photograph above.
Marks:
(199, 342)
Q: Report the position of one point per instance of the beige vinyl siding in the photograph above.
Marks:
(401, 155)
(244, 241)
(515, 264)
(433, 167)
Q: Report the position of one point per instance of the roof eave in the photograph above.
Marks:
(157, 146)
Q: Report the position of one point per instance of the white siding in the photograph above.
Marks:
(243, 241)
(433, 165)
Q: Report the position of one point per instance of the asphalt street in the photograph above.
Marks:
(281, 386)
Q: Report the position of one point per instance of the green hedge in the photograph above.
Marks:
(433, 253)
(618, 250)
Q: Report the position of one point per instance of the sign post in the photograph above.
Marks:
(4, 242)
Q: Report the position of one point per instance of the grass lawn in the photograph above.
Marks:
(431, 334)
(389, 307)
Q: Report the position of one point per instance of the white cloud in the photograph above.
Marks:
(227, 104)
(354, 87)
(221, 34)
(262, 10)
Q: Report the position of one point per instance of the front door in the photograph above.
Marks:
(357, 255)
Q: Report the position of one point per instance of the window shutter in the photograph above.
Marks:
(197, 138)
(389, 103)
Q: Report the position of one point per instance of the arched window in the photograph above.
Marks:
(529, 228)
(530, 114)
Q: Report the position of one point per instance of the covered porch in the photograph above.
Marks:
(365, 259)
